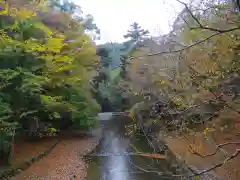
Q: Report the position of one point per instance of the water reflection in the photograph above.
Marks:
(119, 167)
(114, 167)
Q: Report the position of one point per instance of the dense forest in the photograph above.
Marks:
(53, 76)
(47, 61)
(192, 72)
(186, 84)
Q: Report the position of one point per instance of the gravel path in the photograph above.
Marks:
(62, 163)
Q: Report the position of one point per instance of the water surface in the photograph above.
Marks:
(116, 165)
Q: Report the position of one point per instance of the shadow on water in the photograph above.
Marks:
(123, 167)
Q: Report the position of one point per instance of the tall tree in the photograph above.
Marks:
(136, 32)
(87, 21)
(63, 6)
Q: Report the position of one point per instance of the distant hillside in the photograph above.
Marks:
(117, 51)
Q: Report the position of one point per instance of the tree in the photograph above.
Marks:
(67, 6)
(136, 32)
(236, 4)
(112, 67)
(44, 74)
(63, 6)
(205, 93)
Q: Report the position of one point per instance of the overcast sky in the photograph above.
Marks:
(114, 17)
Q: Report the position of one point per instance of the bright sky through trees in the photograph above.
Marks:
(113, 17)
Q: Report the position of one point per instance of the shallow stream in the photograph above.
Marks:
(114, 163)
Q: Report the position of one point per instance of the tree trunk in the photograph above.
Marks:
(33, 128)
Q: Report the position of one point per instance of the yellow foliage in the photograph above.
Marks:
(32, 46)
(207, 58)
(132, 110)
(80, 52)
(195, 148)
(207, 131)
(24, 14)
(4, 8)
(45, 29)
(131, 114)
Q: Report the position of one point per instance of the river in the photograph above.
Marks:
(113, 163)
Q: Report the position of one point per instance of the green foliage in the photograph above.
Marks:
(5, 108)
(67, 6)
(136, 33)
(63, 6)
(114, 74)
(112, 65)
(44, 71)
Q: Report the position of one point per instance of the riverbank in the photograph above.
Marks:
(63, 162)
(184, 147)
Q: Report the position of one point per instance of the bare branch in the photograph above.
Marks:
(187, 47)
(211, 7)
(218, 147)
(205, 27)
(216, 30)
(150, 143)
(235, 154)
(190, 12)
(179, 50)
(134, 148)
(186, 22)
(152, 171)
(204, 102)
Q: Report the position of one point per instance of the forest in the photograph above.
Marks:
(47, 61)
(54, 76)
(186, 83)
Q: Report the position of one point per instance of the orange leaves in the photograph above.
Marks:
(156, 156)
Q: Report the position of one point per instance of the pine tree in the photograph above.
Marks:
(136, 32)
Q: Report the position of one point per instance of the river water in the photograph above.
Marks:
(115, 164)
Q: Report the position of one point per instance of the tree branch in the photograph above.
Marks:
(219, 98)
(150, 143)
(180, 50)
(216, 30)
(235, 154)
(152, 171)
(190, 12)
(204, 27)
(218, 147)
(187, 47)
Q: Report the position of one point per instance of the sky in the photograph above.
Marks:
(114, 17)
